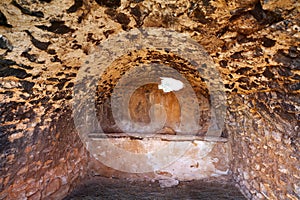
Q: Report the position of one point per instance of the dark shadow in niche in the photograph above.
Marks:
(109, 3)
(263, 17)
(56, 27)
(27, 11)
(77, 4)
(38, 44)
(5, 44)
(3, 21)
(6, 70)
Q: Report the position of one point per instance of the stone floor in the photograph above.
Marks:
(105, 188)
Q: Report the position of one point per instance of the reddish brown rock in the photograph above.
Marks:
(52, 187)
(254, 45)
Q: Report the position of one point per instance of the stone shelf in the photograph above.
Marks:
(152, 136)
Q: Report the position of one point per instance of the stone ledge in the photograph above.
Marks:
(152, 136)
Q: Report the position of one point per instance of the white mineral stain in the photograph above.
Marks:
(170, 84)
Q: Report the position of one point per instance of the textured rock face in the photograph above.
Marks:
(43, 44)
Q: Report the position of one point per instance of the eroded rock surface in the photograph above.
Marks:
(254, 44)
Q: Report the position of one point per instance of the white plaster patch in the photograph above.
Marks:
(220, 173)
(166, 183)
(170, 84)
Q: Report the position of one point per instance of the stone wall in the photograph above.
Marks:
(263, 116)
(144, 92)
(254, 44)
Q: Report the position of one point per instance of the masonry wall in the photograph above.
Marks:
(254, 44)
